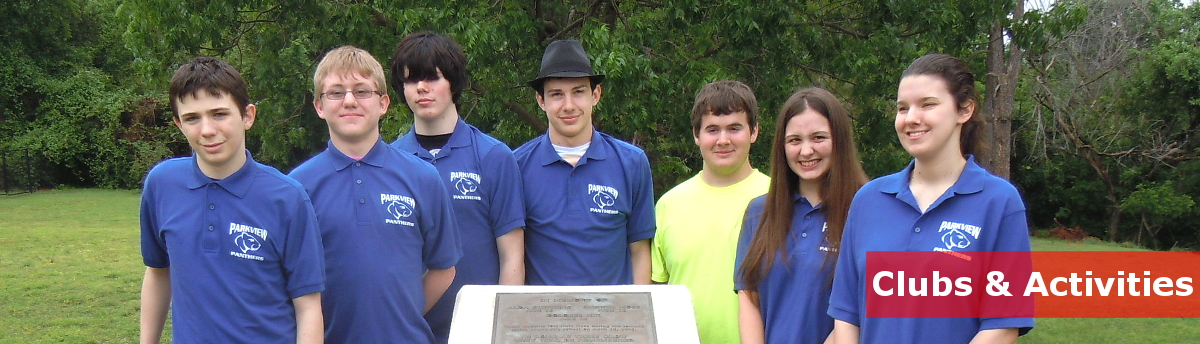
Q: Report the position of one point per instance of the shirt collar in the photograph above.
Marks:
(797, 198)
(237, 183)
(970, 181)
(375, 157)
(460, 137)
(598, 150)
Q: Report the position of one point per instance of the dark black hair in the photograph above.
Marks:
(423, 54)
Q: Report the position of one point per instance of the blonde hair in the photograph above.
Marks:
(349, 59)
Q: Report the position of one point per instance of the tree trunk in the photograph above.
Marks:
(999, 96)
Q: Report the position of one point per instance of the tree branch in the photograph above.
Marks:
(523, 114)
(834, 27)
(577, 23)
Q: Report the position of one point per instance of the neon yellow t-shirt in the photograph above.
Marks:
(696, 244)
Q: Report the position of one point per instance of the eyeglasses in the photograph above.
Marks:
(359, 94)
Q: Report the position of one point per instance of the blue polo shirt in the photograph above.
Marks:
(240, 249)
(580, 219)
(794, 295)
(385, 220)
(885, 217)
(481, 176)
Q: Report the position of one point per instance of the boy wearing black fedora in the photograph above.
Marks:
(589, 197)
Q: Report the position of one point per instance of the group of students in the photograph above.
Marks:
(803, 231)
(369, 242)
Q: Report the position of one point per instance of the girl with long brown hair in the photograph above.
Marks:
(789, 240)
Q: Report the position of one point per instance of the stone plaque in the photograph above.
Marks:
(582, 317)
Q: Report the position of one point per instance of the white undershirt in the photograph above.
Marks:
(577, 152)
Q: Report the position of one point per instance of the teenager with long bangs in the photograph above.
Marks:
(429, 72)
(925, 206)
(790, 236)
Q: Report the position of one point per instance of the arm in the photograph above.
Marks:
(436, 282)
(750, 319)
(843, 332)
(310, 324)
(156, 300)
(511, 247)
(1000, 335)
(639, 255)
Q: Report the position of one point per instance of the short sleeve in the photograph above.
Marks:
(658, 268)
(1013, 235)
(507, 203)
(847, 282)
(641, 218)
(441, 249)
(749, 228)
(154, 252)
(304, 256)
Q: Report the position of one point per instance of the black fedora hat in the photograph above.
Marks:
(565, 59)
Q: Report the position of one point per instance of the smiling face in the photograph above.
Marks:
(928, 120)
(808, 145)
(429, 100)
(216, 130)
(724, 142)
(568, 104)
(351, 119)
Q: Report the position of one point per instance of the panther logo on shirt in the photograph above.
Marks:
(467, 184)
(957, 235)
(247, 239)
(399, 206)
(604, 196)
(247, 242)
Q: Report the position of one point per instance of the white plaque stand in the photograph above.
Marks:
(674, 320)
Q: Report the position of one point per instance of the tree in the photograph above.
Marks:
(656, 55)
(1081, 84)
(1000, 89)
(63, 106)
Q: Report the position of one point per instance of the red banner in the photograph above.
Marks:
(1032, 284)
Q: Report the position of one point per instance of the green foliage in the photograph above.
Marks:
(65, 102)
(1079, 113)
(1160, 201)
(656, 56)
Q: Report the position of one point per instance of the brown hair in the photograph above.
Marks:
(838, 186)
(961, 83)
(208, 74)
(722, 98)
(347, 59)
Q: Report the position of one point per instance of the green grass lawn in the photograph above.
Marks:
(71, 271)
(70, 267)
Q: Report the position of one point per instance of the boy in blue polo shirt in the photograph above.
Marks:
(589, 198)
(230, 245)
(429, 71)
(385, 219)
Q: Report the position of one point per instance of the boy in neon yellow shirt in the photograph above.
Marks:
(699, 220)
